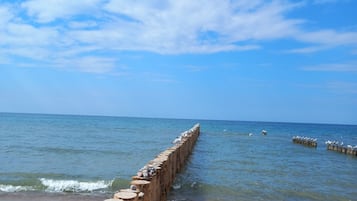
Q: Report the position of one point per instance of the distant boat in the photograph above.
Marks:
(264, 132)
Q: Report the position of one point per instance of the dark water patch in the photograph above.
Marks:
(74, 151)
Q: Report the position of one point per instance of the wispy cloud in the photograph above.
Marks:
(306, 50)
(194, 68)
(336, 87)
(90, 64)
(334, 67)
(328, 1)
(5, 15)
(45, 11)
(157, 77)
(55, 30)
(325, 39)
(342, 87)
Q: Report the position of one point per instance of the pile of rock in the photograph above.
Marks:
(340, 147)
(154, 180)
(148, 171)
(307, 141)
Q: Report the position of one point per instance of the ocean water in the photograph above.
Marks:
(68, 157)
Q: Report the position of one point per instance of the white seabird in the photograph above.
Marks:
(264, 132)
(177, 140)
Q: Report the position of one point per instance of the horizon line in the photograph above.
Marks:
(174, 118)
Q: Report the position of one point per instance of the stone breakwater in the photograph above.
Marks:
(331, 145)
(340, 147)
(153, 182)
(310, 142)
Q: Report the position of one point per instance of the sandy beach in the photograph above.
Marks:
(35, 196)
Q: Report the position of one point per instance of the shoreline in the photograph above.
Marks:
(44, 196)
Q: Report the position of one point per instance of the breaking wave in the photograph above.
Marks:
(52, 185)
(12, 188)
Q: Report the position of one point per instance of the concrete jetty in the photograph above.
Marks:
(307, 141)
(340, 147)
(153, 182)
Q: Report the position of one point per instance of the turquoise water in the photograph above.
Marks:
(98, 155)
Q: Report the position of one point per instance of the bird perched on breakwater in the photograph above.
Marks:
(133, 187)
(184, 134)
(177, 140)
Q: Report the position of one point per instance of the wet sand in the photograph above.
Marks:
(34, 196)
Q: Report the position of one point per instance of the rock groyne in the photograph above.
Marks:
(153, 182)
(307, 141)
(339, 147)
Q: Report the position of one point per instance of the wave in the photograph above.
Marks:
(52, 185)
(56, 186)
(11, 188)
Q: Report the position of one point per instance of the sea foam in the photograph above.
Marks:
(11, 188)
(73, 185)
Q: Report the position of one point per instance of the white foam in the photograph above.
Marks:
(73, 185)
(176, 186)
(11, 188)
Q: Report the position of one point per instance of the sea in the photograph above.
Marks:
(71, 157)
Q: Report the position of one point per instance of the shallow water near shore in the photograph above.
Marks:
(40, 196)
(54, 157)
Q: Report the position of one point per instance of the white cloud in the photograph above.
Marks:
(328, 1)
(324, 1)
(342, 87)
(201, 26)
(82, 25)
(329, 37)
(5, 16)
(157, 77)
(334, 67)
(48, 30)
(336, 87)
(323, 40)
(45, 11)
(35, 53)
(27, 35)
(89, 64)
(193, 68)
(306, 50)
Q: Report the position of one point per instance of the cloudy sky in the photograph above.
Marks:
(283, 60)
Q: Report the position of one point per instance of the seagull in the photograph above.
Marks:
(177, 140)
(193, 184)
(133, 187)
(145, 173)
(184, 134)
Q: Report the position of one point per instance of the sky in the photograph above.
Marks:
(250, 60)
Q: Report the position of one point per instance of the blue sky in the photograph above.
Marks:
(287, 61)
